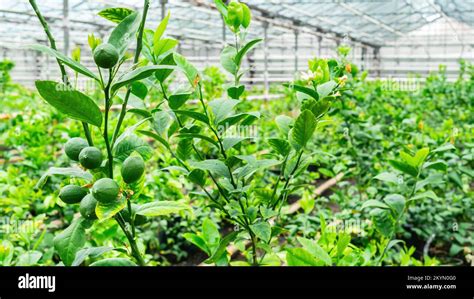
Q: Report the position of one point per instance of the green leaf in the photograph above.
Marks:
(73, 103)
(160, 29)
(66, 60)
(444, 148)
(388, 177)
(455, 249)
(177, 100)
(315, 250)
(184, 150)
(249, 46)
(222, 248)
(326, 88)
(29, 258)
(115, 14)
(69, 241)
(139, 89)
(303, 130)
(214, 166)
(300, 257)
(161, 208)
(188, 69)
(222, 107)
(434, 179)
(342, 243)
(164, 46)
(396, 202)
(194, 115)
(198, 241)
(198, 177)
(427, 194)
(68, 171)
(199, 136)
(247, 118)
(421, 155)
(235, 92)
(137, 75)
(456, 179)
(221, 7)
(156, 137)
(129, 131)
(438, 165)
(404, 167)
(383, 221)
(162, 74)
(284, 123)
(281, 146)
(129, 144)
(306, 90)
(230, 142)
(6, 254)
(140, 112)
(262, 230)
(393, 243)
(253, 165)
(114, 262)
(106, 211)
(228, 55)
(93, 252)
(210, 233)
(125, 32)
(161, 122)
(374, 204)
(321, 107)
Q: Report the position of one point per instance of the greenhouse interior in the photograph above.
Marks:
(227, 133)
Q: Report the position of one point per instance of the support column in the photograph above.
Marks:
(265, 55)
(377, 61)
(224, 38)
(320, 41)
(66, 26)
(363, 58)
(163, 8)
(296, 50)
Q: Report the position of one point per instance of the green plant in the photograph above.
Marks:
(110, 194)
(388, 214)
(206, 153)
(331, 248)
(5, 68)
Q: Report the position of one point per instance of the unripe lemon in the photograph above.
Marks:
(105, 190)
(133, 169)
(87, 207)
(72, 194)
(106, 56)
(74, 146)
(90, 157)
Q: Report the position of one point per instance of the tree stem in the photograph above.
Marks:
(64, 75)
(123, 111)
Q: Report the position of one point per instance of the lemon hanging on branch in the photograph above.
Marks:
(106, 56)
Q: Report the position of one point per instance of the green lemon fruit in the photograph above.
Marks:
(133, 169)
(106, 56)
(87, 207)
(90, 157)
(74, 146)
(105, 190)
(72, 194)
(235, 15)
(247, 15)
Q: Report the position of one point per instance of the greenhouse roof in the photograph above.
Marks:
(369, 22)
